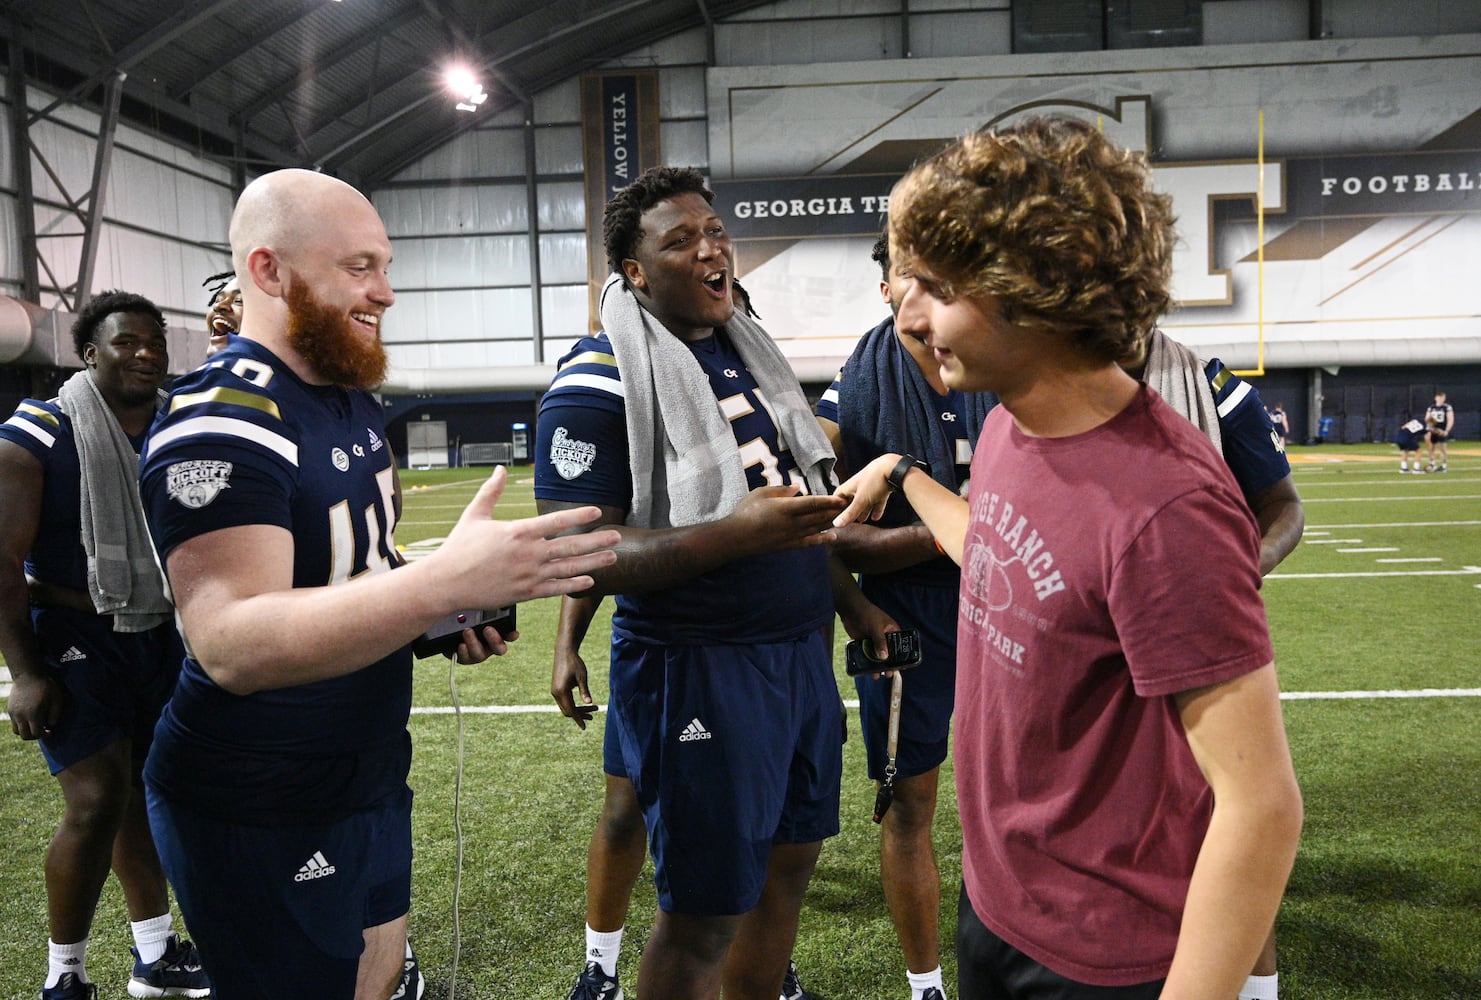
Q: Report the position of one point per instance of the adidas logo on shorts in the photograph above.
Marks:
(695, 731)
(314, 867)
(73, 654)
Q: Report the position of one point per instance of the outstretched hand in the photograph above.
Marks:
(867, 491)
(491, 564)
(775, 518)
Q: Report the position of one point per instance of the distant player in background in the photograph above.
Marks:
(1439, 418)
(90, 638)
(1280, 422)
(1412, 436)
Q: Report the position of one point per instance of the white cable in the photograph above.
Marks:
(452, 681)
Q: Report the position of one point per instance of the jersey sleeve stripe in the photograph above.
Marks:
(229, 426)
(39, 433)
(40, 414)
(586, 380)
(590, 358)
(1235, 397)
(224, 394)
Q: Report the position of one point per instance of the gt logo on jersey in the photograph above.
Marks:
(570, 457)
(196, 483)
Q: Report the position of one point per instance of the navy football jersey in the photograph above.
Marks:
(952, 421)
(1439, 415)
(44, 430)
(1253, 448)
(581, 456)
(241, 441)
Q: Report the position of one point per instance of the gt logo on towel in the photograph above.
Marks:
(570, 457)
(195, 484)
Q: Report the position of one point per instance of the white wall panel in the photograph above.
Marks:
(961, 34)
(795, 42)
(143, 193)
(1366, 19)
(68, 154)
(559, 104)
(562, 206)
(476, 153)
(491, 208)
(563, 259)
(564, 309)
(793, 9)
(558, 149)
(7, 160)
(11, 266)
(460, 263)
(681, 92)
(1256, 21)
(685, 47)
(461, 315)
(685, 144)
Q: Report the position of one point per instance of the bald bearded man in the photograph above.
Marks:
(277, 781)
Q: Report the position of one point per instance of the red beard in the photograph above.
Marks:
(329, 341)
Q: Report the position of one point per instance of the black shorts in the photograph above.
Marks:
(989, 968)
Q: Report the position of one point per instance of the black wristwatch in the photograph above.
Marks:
(896, 479)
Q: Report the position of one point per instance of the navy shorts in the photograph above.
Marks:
(731, 749)
(928, 690)
(114, 684)
(1409, 441)
(989, 968)
(280, 911)
(612, 749)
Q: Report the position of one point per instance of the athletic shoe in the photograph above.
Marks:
(1443, 467)
(792, 986)
(176, 973)
(932, 993)
(69, 987)
(412, 984)
(594, 984)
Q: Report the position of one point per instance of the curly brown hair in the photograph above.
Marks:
(1052, 218)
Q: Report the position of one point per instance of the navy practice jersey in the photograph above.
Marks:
(243, 441)
(581, 456)
(952, 421)
(1253, 449)
(1439, 415)
(44, 430)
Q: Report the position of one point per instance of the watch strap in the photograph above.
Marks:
(896, 478)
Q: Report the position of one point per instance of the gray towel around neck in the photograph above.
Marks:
(1175, 372)
(123, 578)
(686, 464)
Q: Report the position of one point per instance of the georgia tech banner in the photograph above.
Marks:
(620, 139)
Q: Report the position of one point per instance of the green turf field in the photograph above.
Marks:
(1384, 595)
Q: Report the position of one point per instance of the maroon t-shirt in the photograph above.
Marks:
(1101, 574)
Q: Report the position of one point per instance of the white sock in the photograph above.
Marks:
(62, 958)
(922, 981)
(409, 953)
(603, 947)
(1260, 987)
(151, 936)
